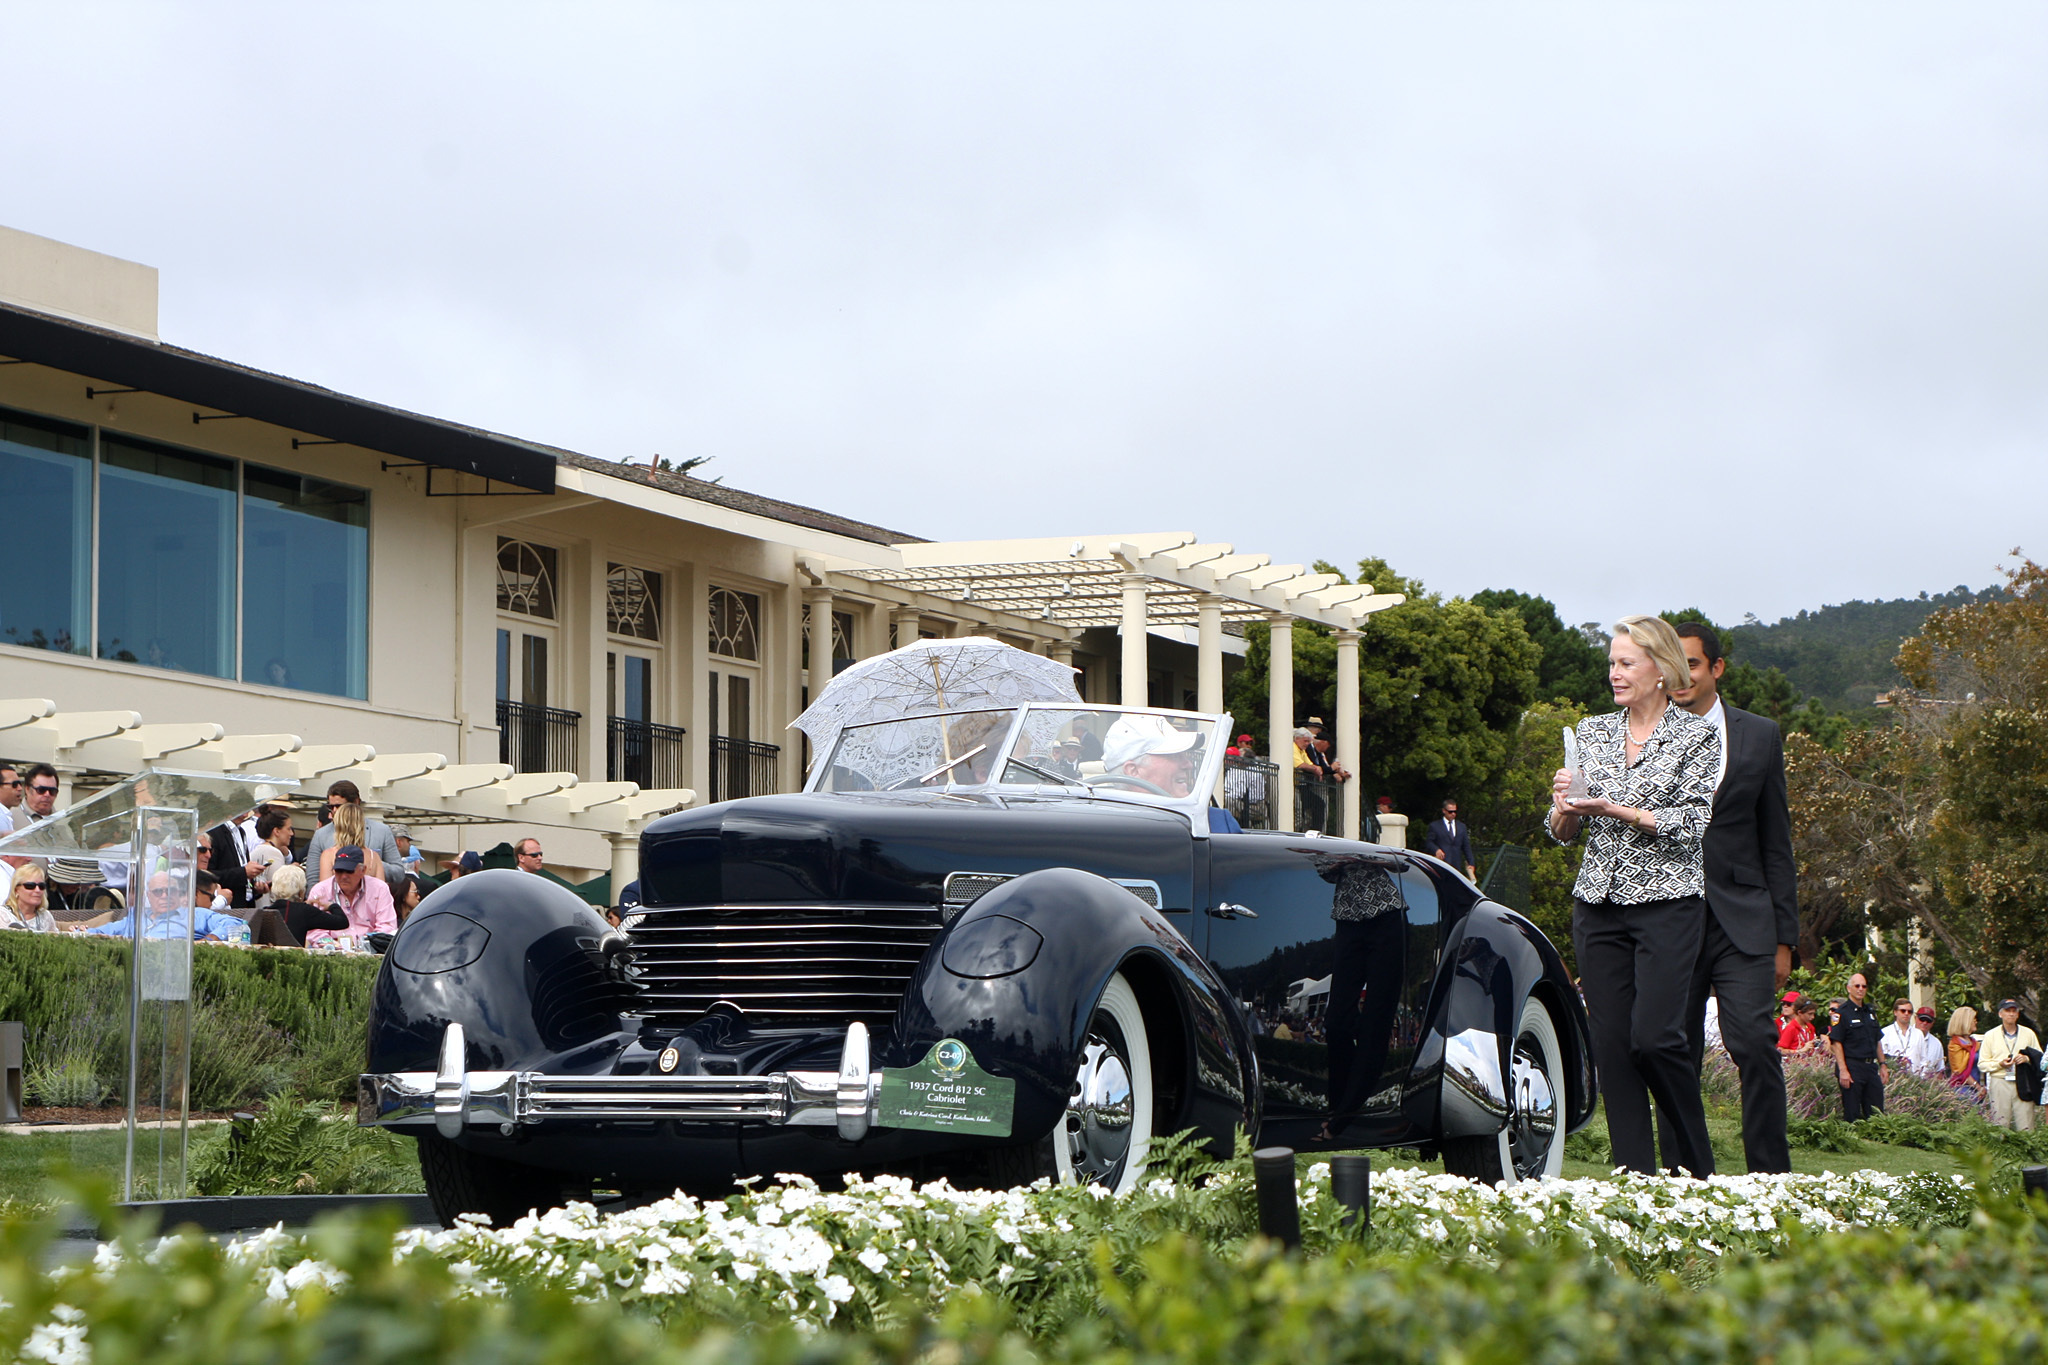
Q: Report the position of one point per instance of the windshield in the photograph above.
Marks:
(1106, 748)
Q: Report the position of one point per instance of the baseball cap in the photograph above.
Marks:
(471, 861)
(400, 831)
(1791, 998)
(1133, 737)
(2004, 1005)
(1926, 1012)
(349, 859)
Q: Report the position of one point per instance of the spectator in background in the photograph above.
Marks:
(273, 852)
(1927, 1055)
(235, 843)
(291, 913)
(1451, 840)
(1999, 1057)
(374, 836)
(11, 785)
(410, 893)
(408, 856)
(1962, 1048)
(168, 919)
(28, 903)
(469, 862)
(1797, 1034)
(1896, 1038)
(529, 855)
(364, 899)
(1311, 811)
(39, 798)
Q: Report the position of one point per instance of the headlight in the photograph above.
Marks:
(991, 946)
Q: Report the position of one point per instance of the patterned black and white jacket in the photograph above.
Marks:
(1673, 778)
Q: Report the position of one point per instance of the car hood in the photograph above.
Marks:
(899, 847)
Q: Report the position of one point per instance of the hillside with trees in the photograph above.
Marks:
(1842, 655)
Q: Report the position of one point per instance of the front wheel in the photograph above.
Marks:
(1531, 1147)
(460, 1181)
(1102, 1137)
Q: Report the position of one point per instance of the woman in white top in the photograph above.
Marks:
(27, 905)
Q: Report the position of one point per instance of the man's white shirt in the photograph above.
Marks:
(1719, 717)
(1917, 1051)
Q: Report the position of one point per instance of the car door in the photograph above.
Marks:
(1311, 936)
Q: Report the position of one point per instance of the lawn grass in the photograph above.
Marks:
(32, 1163)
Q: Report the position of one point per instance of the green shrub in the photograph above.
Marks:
(261, 1020)
(1826, 1135)
(297, 1147)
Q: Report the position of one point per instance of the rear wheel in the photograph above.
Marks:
(461, 1181)
(1102, 1137)
(1531, 1147)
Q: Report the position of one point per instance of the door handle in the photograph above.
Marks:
(1225, 910)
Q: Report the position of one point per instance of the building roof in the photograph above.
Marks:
(721, 495)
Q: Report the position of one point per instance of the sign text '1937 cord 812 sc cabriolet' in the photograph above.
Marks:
(991, 944)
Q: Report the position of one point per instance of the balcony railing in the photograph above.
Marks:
(641, 751)
(1248, 791)
(537, 739)
(1318, 803)
(742, 767)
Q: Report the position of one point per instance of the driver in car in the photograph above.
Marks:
(1152, 754)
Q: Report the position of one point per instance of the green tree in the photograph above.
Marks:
(1572, 668)
(1980, 679)
(1768, 692)
(1442, 688)
(1515, 811)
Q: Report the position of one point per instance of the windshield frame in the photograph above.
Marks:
(1193, 805)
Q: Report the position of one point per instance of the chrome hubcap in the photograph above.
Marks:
(1097, 1129)
(1533, 1125)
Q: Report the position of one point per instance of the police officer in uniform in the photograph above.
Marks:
(1859, 1064)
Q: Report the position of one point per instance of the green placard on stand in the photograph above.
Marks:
(947, 1092)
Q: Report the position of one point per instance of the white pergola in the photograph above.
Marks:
(1137, 581)
(421, 788)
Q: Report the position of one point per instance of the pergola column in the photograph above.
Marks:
(1347, 728)
(1136, 659)
(625, 862)
(1209, 652)
(905, 620)
(1280, 719)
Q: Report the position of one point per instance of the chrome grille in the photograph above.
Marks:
(962, 889)
(780, 964)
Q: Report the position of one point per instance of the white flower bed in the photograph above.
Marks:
(793, 1252)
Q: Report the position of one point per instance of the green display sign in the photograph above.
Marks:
(947, 1093)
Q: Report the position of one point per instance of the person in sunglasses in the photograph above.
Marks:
(28, 905)
(169, 917)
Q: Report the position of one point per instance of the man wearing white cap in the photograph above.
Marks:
(1145, 753)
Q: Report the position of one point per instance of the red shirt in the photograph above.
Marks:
(1795, 1035)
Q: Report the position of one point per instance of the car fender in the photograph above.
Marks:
(1493, 960)
(1023, 1007)
(518, 960)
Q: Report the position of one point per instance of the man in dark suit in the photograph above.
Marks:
(1752, 902)
(1451, 840)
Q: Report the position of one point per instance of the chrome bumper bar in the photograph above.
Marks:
(452, 1098)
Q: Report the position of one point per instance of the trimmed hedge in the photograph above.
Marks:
(263, 1020)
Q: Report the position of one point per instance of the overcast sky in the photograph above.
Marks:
(1629, 305)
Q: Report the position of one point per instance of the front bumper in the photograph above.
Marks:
(453, 1098)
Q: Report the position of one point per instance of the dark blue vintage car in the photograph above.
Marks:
(991, 945)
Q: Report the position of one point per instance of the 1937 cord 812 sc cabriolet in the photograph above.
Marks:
(991, 944)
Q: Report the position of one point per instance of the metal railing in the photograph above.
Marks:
(1248, 791)
(537, 739)
(1318, 802)
(742, 767)
(644, 752)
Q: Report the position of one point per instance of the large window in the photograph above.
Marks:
(183, 560)
(167, 558)
(46, 470)
(305, 582)
(735, 624)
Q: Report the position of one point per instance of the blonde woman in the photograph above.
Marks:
(350, 831)
(1638, 911)
(28, 902)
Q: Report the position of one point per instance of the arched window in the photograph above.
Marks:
(633, 602)
(526, 578)
(735, 624)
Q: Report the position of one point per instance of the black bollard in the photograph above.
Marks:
(1279, 1215)
(2034, 1180)
(1351, 1184)
(239, 1129)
